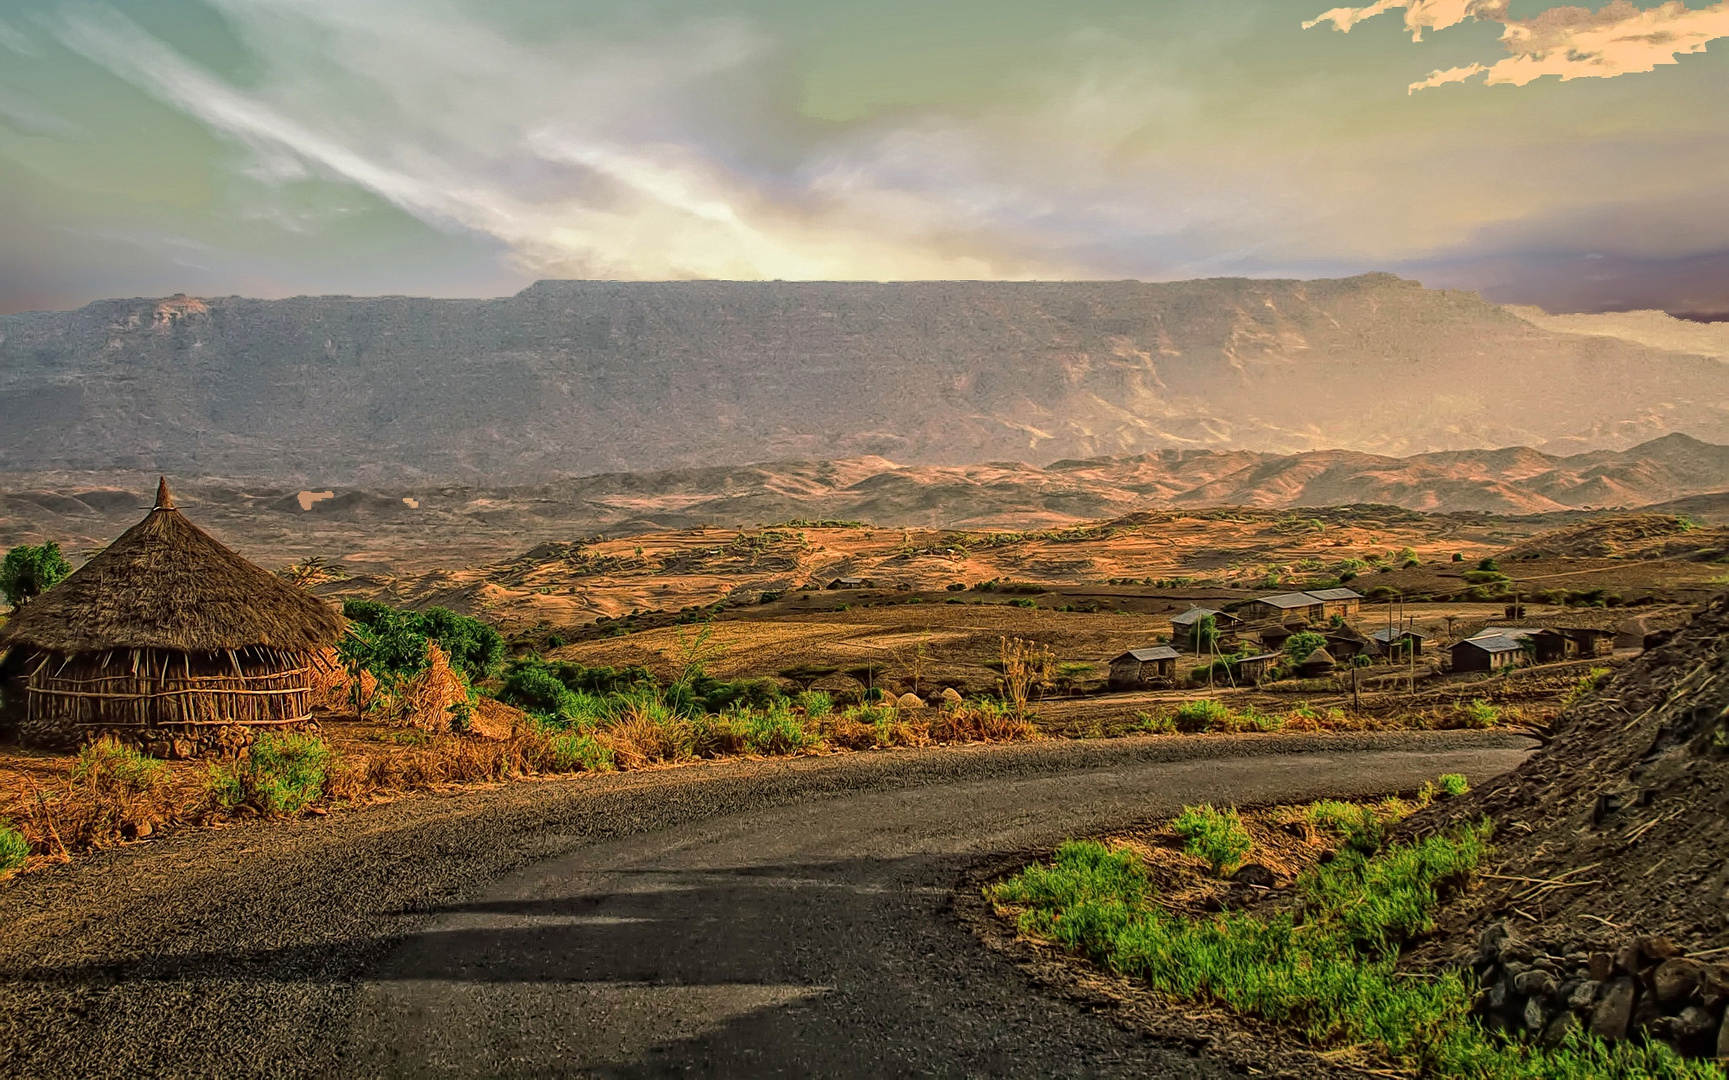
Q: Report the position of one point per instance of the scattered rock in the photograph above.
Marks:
(1694, 1021)
(1675, 980)
(1534, 983)
(1658, 948)
(1254, 874)
(909, 701)
(1558, 1029)
(1610, 1018)
(1602, 966)
(1537, 1013)
(1583, 994)
(951, 696)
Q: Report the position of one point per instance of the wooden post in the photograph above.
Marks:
(1356, 699)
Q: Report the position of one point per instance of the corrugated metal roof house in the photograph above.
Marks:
(1142, 667)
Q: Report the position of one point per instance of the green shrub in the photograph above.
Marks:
(1154, 723)
(1486, 577)
(109, 762)
(14, 849)
(777, 730)
(391, 643)
(579, 751)
(1298, 647)
(1202, 714)
(282, 773)
(1359, 828)
(1217, 836)
(1489, 564)
(1481, 714)
(1453, 784)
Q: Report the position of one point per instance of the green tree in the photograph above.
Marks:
(1206, 634)
(1299, 646)
(31, 570)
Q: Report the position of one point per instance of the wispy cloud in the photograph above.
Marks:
(582, 160)
(1570, 42)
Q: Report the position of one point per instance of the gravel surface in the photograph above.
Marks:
(741, 918)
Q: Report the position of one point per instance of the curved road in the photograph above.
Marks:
(737, 919)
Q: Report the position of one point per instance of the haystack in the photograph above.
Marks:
(429, 700)
(170, 641)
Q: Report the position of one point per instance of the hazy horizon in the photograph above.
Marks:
(1532, 152)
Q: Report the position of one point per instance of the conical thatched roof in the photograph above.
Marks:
(166, 584)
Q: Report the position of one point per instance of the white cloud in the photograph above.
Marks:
(1570, 42)
(1420, 15)
(584, 158)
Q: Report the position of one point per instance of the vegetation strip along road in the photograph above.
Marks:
(735, 918)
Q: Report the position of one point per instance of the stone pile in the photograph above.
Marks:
(1645, 987)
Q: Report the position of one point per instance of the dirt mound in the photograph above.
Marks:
(1619, 827)
(1640, 535)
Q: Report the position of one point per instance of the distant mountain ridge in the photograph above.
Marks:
(583, 378)
(463, 525)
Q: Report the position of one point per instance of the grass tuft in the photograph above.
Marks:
(1330, 978)
(14, 849)
(1217, 836)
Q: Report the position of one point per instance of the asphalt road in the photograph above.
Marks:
(742, 919)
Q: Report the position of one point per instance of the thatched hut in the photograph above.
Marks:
(168, 640)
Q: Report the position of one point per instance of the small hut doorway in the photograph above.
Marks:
(170, 641)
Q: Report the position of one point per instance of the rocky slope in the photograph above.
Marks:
(576, 378)
(1606, 908)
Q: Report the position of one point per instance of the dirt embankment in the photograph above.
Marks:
(1620, 826)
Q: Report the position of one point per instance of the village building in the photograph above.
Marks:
(1137, 668)
(1258, 667)
(1316, 664)
(1553, 644)
(1397, 641)
(1314, 607)
(1487, 652)
(1183, 626)
(169, 641)
(1286, 606)
(1345, 643)
(1341, 602)
(1275, 636)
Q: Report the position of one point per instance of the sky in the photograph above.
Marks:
(1571, 157)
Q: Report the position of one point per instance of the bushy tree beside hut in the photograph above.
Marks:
(168, 640)
(29, 570)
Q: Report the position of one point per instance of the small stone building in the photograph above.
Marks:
(1138, 668)
(1315, 606)
(1287, 607)
(1398, 642)
(1183, 626)
(1488, 652)
(169, 641)
(1255, 668)
(1342, 602)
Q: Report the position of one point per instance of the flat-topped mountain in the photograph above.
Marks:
(575, 378)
